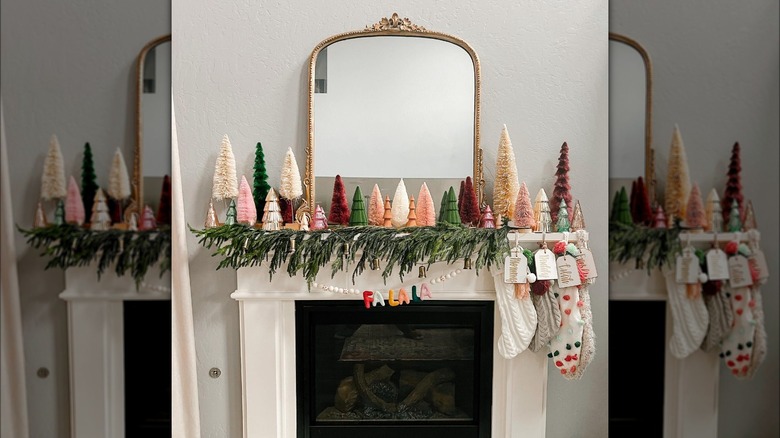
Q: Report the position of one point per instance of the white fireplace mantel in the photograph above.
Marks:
(96, 345)
(267, 324)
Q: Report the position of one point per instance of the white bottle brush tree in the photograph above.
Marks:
(225, 182)
(118, 181)
(290, 182)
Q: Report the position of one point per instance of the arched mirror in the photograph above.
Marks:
(152, 153)
(630, 112)
(392, 101)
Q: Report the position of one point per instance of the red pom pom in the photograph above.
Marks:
(731, 248)
(559, 248)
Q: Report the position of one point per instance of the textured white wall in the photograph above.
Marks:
(241, 69)
(716, 75)
(67, 68)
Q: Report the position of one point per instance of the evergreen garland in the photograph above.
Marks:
(353, 248)
(648, 247)
(135, 252)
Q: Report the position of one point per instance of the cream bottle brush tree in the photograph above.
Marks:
(225, 182)
(53, 184)
(506, 182)
(400, 206)
(118, 180)
(678, 182)
(290, 187)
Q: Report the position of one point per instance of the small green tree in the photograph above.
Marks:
(623, 209)
(230, 219)
(260, 178)
(358, 217)
(451, 215)
(89, 184)
(562, 224)
(735, 221)
(443, 206)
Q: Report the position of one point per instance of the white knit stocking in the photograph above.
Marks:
(689, 318)
(518, 318)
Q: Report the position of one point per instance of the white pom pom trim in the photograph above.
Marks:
(531, 277)
(703, 278)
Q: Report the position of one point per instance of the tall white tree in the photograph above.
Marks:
(400, 208)
(53, 184)
(290, 183)
(506, 184)
(118, 180)
(225, 184)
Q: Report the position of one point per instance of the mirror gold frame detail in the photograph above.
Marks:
(136, 203)
(393, 26)
(649, 152)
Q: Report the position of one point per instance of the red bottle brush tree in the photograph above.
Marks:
(694, 213)
(641, 212)
(164, 207)
(469, 208)
(733, 190)
(561, 189)
(339, 210)
(460, 198)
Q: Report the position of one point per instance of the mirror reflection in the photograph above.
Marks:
(627, 93)
(155, 131)
(395, 107)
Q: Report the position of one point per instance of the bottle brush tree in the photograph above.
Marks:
(426, 211)
(225, 182)
(260, 178)
(524, 213)
(53, 179)
(469, 209)
(164, 207)
(89, 184)
(694, 212)
(733, 190)
(562, 188)
(339, 210)
(506, 182)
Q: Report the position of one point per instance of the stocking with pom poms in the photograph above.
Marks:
(566, 345)
(759, 275)
(588, 349)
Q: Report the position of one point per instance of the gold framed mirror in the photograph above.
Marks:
(152, 76)
(631, 111)
(387, 78)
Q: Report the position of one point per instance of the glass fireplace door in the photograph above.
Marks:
(394, 371)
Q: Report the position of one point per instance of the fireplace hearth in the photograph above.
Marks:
(403, 371)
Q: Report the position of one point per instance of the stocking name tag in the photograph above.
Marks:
(568, 275)
(687, 271)
(739, 271)
(515, 269)
(544, 261)
(759, 262)
(589, 263)
(717, 265)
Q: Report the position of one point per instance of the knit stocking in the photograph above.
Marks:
(689, 318)
(721, 318)
(759, 343)
(548, 318)
(518, 318)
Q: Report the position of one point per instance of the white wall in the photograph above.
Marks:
(716, 75)
(67, 68)
(242, 70)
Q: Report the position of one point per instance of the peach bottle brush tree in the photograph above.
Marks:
(524, 213)
(246, 211)
(376, 208)
(426, 211)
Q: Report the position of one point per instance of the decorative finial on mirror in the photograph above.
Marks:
(394, 23)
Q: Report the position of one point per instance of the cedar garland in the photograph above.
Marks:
(401, 250)
(135, 252)
(648, 247)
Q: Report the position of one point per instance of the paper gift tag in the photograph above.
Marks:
(544, 262)
(759, 262)
(739, 271)
(515, 269)
(568, 275)
(717, 264)
(589, 263)
(687, 268)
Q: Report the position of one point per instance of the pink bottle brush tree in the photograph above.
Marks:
(524, 212)
(74, 205)
(246, 210)
(694, 213)
(426, 212)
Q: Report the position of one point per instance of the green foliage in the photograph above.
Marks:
(451, 214)
(89, 184)
(260, 186)
(358, 216)
(648, 247)
(135, 252)
(353, 248)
